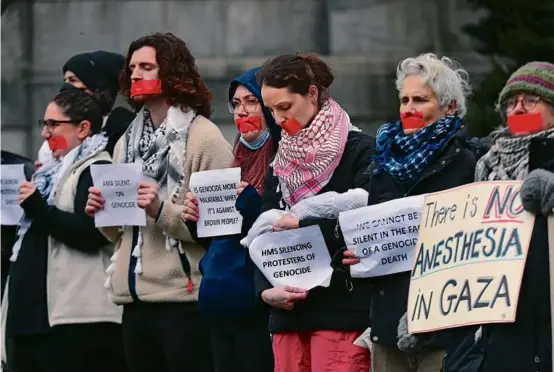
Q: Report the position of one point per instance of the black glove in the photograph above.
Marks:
(537, 192)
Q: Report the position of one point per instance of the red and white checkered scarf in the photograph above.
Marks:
(306, 161)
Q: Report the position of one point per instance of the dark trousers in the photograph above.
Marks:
(166, 337)
(241, 345)
(93, 347)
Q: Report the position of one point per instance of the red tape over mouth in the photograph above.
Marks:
(146, 87)
(292, 126)
(412, 120)
(525, 123)
(249, 123)
(57, 143)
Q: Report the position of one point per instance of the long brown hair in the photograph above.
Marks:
(253, 163)
(181, 82)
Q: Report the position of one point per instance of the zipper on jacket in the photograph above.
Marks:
(132, 278)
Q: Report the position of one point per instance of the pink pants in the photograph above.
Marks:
(319, 351)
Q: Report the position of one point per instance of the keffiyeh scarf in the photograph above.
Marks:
(160, 152)
(508, 158)
(405, 157)
(47, 178)
(306, 161)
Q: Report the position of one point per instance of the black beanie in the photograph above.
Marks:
(98, 70)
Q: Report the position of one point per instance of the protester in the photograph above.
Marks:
(238, 323)
(155, 270)
(425, 151)
(9, 233)
(97, 73)
(58, 314)
(319, 152)
(521, 151)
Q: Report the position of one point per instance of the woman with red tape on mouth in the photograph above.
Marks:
(320, 151)
(425, 151)
(58, 315)
(523, 150)
(237, 321)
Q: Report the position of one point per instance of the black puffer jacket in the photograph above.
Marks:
(453, 166)
(526, 344)
(344, 305)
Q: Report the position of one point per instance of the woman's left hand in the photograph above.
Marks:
(26, 189)
(148, 199)
(537, 192)
(241, 187)
(286, 222)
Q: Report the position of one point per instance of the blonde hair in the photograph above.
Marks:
(447, 79)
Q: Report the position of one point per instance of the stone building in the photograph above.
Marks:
(362, 40)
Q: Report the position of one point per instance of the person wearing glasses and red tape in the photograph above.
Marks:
(523, 150)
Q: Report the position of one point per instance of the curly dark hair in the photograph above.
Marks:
(181, 82)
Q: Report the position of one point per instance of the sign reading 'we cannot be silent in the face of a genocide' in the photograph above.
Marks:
(384, 236)
(470, 256)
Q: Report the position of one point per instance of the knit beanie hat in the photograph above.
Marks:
(98, 70)
(533, 78)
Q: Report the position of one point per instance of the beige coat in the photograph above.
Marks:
(163, 277)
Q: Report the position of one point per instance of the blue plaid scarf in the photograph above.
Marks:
(405, 157)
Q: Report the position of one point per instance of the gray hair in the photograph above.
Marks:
(446, 78)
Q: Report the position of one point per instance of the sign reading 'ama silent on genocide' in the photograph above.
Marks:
(470, 256)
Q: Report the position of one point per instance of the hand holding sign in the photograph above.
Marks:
(349, 258)
(148, 198)
(12, 176)
(191, 211)
(95, 201)
(287, 222)
(115, 199)
(241, 187)
(25, 190)
(216, 191)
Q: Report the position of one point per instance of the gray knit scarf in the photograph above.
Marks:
(508, 158)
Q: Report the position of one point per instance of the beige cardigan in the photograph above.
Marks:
(163, 277)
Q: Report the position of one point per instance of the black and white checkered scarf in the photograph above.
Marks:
(508, 158)
(159, 150)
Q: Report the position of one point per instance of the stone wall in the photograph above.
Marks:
(362, 40)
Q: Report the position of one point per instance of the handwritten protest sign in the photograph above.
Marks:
(384, 236)
(216, 192)
(11, 176)
(118, 184)
(470, 256)
(297, 258)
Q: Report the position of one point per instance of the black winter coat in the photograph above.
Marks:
(453, 166)
(344, 305)
(526, 344)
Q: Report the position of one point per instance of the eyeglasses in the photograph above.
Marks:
(527, 102)
(249, 105)
(52, 124)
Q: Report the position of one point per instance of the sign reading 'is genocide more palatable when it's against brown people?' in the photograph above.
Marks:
(470, 256)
